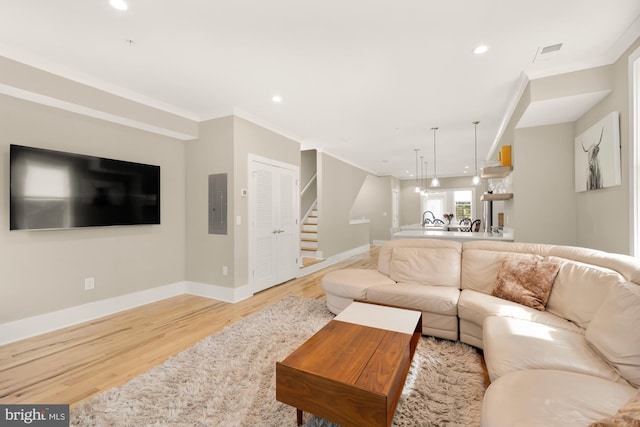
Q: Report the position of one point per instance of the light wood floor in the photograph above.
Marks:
(73, 364)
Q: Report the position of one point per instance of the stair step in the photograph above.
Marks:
(309, 261)
(309, 236)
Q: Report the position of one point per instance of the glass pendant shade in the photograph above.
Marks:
(435, 182)
(476, 177)
(424, 176)
(417, 189)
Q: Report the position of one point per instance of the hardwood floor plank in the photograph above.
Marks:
(75, 363)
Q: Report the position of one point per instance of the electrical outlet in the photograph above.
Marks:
(89, 283)
(225, 270)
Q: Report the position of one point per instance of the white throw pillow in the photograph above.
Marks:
(614, 331)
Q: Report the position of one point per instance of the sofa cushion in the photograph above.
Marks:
(515, 345)
(353, 282)
(453, 249)
(579, 290)
(427, 266)
(626, 265)
(551, 398)
(433, 299)
(627, 416)
(476, 306)
(527, 281)
(481, 261)
(614, 330)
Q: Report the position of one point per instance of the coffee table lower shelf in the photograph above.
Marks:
(349, 373)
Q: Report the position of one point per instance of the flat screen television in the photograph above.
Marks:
(53, 189)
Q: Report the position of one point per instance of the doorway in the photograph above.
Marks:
(274, 232)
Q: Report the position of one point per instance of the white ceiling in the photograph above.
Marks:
(363, 80)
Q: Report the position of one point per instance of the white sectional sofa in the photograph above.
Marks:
(570, 356)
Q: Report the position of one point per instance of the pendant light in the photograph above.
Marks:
(476, 177)
(417, 190)
(424, 177)
(435, 182)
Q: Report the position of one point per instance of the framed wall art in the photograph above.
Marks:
(597, 155)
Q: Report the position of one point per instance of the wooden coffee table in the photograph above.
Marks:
(353, 370)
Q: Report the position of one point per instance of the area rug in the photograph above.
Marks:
(228, 379)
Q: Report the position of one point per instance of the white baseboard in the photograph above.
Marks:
(40, 324)
(379, 242)
(222, 293)
(334, 260)
(31, 326)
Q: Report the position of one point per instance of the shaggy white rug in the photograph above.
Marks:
(228, 379)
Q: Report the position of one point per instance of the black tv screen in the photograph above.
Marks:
(53, 189)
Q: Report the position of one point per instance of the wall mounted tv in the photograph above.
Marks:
(53, 189)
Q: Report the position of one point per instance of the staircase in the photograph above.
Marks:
(309, 236)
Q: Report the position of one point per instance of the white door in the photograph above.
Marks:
(274, 231)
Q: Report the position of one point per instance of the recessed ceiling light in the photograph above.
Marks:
(277, 99)
(119, 4)
(479, 50)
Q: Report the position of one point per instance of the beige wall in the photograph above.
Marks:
(570, 84)
(409, 203)
(207, 253)
(93, 102)
(44, 271)
(374, 203)
(338, 186)
(544, 203)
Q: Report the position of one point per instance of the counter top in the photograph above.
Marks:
(459, 236)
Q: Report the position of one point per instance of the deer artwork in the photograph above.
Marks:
(594, 178)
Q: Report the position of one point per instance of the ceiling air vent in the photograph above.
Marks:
(547, 53)
(549, 49)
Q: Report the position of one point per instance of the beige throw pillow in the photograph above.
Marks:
(525, 280)
(627, 416)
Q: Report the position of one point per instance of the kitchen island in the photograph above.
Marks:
(458, 236)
